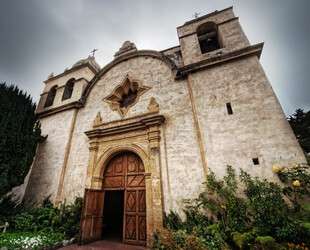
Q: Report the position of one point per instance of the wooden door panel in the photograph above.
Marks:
(91, 219)
(113, 182)
(126, 172)
(135, 217)
(115, 167)
(135, 181)
(135, 205)
(130, 229)
(142, 228)
(130, 205)
(141, 201)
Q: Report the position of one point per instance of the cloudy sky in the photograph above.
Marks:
(38, 37)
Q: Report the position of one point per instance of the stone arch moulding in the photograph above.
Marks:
(109, 153)
(125, 95)
(140, 135)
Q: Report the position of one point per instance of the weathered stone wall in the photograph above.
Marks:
(230, 36)
(83, 75)
(256, 129)
(180, 160)
(45, 172)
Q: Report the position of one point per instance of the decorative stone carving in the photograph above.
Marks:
(125, 95)
(127, 47)
(141, 136)
(153, 106)
(97, 120)
(51, 75)
(89, 60)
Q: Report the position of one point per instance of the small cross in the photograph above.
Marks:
(196, 15)
(93, 51)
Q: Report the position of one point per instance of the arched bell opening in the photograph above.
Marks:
(207, 34)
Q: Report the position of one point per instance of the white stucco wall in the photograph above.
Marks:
(180, 158)
(256, 129)
(45, 172)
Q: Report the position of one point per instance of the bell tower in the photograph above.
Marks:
(237, 116)
(217, 35)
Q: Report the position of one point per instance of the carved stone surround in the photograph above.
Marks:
(128, 88)
(140, 135)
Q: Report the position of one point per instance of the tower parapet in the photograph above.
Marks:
(64, 90)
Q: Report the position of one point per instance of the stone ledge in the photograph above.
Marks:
(220, 59)
(126, 125)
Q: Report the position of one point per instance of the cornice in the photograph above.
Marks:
(69, 71)
(48, 112)
(180, 72)
(205, 16)
(125, 125)
(220, 59)
(226, 21)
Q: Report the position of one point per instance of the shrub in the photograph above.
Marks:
(165, 239)
(269, 210)
(297, 180)
(173, 220)
(26, 240)
(219, 219)
(219, 198)
(45, 219)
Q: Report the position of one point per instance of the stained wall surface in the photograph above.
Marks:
(178, 135)
(256, 129)
(46, 170)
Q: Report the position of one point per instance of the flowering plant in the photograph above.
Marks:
(297, 180)
(28, 240)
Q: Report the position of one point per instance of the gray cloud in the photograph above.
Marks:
(39, 37)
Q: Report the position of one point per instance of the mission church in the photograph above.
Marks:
(139, 135)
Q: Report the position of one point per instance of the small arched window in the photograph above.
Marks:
(68, 89)
(50, 97)
(208, 37)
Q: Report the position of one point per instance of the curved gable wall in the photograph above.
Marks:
(174, 104)
(124, 58)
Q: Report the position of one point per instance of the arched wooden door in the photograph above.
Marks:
(126, 172)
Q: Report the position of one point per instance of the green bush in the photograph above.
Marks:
(219, 197)
(27, 240)
(45, 219)
(297, 180)
(219, 219)
(269, 210)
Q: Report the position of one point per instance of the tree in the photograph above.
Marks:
(19, 134)
(300, 123)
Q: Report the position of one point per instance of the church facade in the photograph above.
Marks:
(140, 134)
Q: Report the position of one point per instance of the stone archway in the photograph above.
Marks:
(141, 136)
(125, 171)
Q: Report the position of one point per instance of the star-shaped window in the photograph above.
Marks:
(125, 95)
(128, 99)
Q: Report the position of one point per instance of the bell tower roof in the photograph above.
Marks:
(89, 60)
